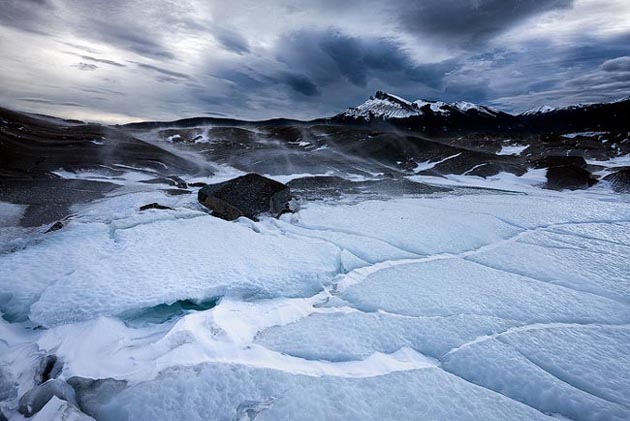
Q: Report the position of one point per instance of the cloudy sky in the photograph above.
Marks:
(124, 60)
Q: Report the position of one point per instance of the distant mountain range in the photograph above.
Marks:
(437, 116)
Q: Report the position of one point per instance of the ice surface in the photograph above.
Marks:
(134, 260)
(472, 305)
(229, 392)
(347, 334)
(602, 268)
(505, 369)
(590, 358)
(453, 286)
(419, 227)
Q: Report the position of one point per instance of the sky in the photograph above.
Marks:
(127, 60)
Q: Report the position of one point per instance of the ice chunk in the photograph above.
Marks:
(35, 399)
(56, 409)
(95, 269)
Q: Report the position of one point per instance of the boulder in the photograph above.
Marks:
(569, 177)
(249, 195)
(154, 206)
(620, 180)
(176, 192)
(560, 161)
(197, 184)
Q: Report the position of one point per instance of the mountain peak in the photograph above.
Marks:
(385, 96)
(383, 105)
(541, 109)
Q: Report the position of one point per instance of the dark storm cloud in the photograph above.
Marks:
(469, 21)
(231, 40)
(593, 70)
(301, 84)
(330, 55)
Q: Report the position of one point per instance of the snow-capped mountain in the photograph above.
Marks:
(439, 117)
(386, 106)
(541, 109)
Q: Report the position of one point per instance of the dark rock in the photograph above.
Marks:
(171, 179)
(197, 184)
(325, 187)
(398, 187)
(55, 227)
(321, 187)
(154, 206)
(176, 192)
(50, 200)
(569, 177)
(35, 399)
(409, 164)
(620, 180)
(49, 368)
(3, 417)
(32, 146)
(560, 161)
(248, 195)
(181, 135)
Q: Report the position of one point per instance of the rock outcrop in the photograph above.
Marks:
(569, 177)
(249, 195)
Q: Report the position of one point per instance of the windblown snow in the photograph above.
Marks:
(480, 304)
